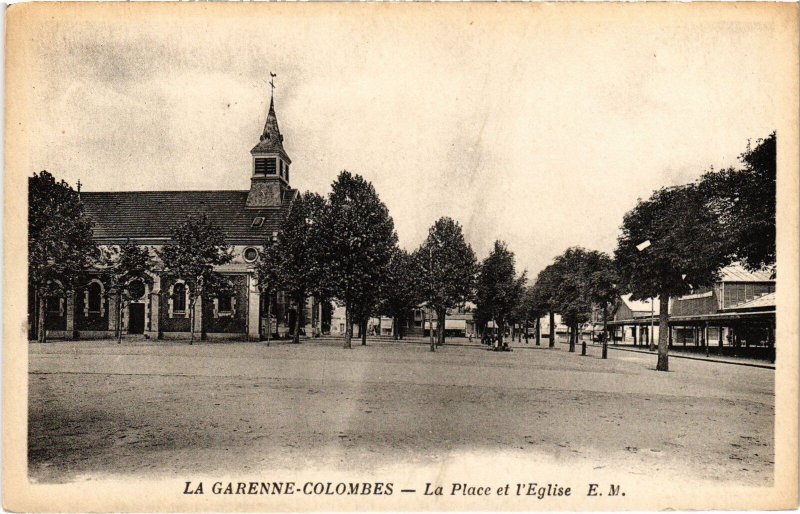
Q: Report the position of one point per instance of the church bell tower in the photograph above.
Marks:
(270, 179)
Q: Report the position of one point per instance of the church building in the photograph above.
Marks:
(249, 219)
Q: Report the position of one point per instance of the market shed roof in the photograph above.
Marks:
(737, 273)
(765, 301)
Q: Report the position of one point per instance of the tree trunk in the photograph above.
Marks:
(501, 329)
(538, 331)
(572, 338)
(441, 315)
(526, 330)
(299, 300)
(430, 330)
(363, 330)
(269, 316)
(41, 320)
(296, 328)
(203, 322)
(663, 333)
(605, 331)
(552, 329)
(191, 320)
(348, 331)
(398, 328)
(33, 334)
(118, 323)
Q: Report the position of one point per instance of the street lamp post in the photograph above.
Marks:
(651, 339)
(642, 247)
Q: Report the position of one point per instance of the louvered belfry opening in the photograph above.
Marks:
(265, 166)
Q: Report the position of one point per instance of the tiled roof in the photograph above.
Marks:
(737, 273)
(154, 214)
(761, 302)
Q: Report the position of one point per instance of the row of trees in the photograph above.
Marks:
(671, 244)
(576, 282)
(344, 247)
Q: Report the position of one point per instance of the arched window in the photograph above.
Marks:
(179, 297)
(225, 303)
(95, 298)
(54, 305)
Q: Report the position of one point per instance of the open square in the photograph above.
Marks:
(99, 409)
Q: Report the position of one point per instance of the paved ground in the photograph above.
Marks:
(99, 408)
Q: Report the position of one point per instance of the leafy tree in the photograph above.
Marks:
(499, 289)
(448, 266)
(60, 245)
(359, 240)
(529, 309)
(570, 296)
(296, 258)
(125, 266)
(577, 280)
(401, 293)
(267, 278)
(686, 249)
(482, 318)
(744, 201)
(542, 298)
(197, 246)
(518, 317)
(601, 287)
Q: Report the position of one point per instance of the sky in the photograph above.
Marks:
(536, 125)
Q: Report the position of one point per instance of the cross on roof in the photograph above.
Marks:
(272, 84)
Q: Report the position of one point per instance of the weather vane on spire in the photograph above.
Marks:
(272, 84)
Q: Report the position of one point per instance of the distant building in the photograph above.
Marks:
(459, 321)
(376, 326)
(643, 312)
(735, 314)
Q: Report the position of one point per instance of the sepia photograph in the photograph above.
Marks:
(292, 257)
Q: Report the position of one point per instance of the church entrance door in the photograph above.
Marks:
(136, 318)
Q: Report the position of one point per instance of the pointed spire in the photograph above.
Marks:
(271, 126)
(271, 140)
